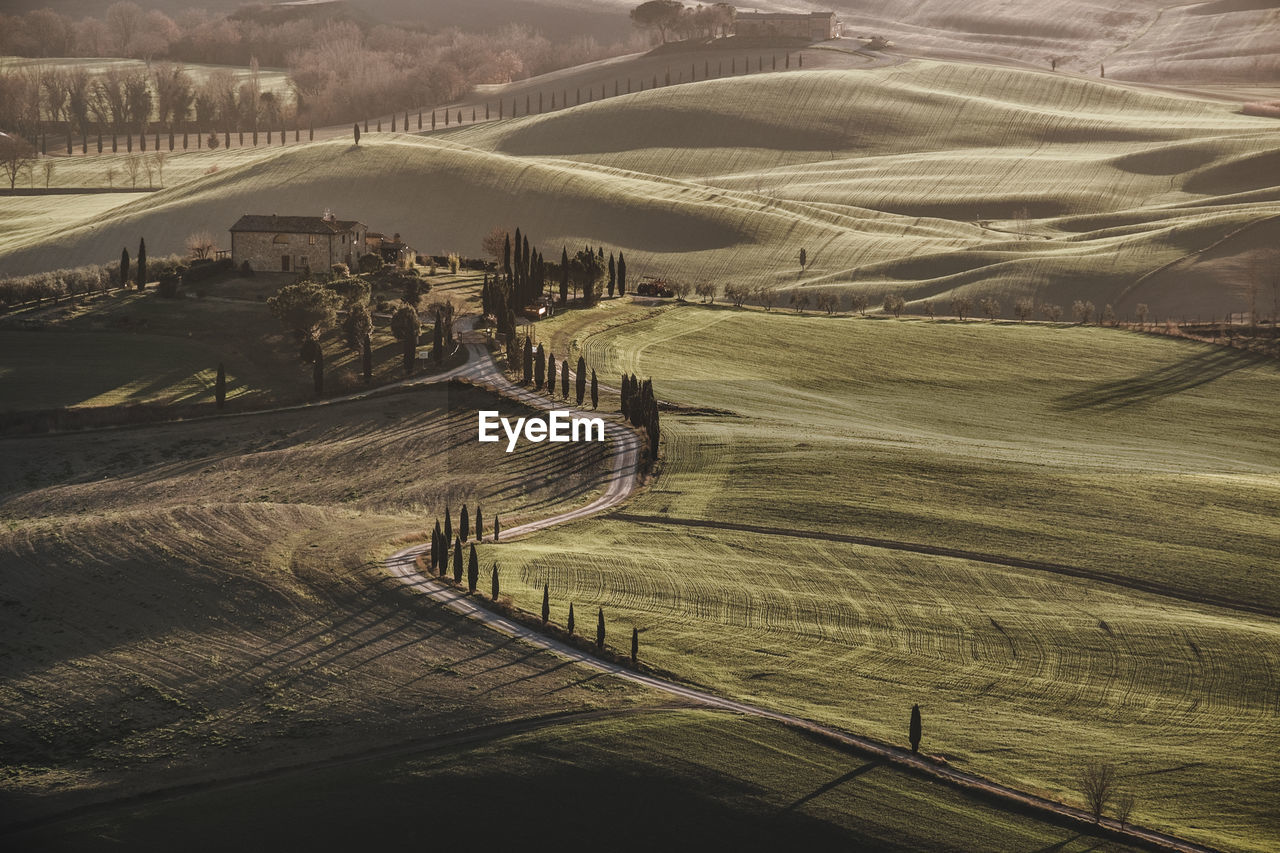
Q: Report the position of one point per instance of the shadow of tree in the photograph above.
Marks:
(1191, 372)
(834, 783)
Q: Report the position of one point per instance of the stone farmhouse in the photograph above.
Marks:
(296, 243)
(815, 26)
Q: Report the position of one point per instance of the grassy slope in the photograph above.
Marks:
(1136, 457)
(881, 174)
(198, 599)
(675, 780)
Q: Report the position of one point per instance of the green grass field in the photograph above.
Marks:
(1143, 460)
(644, 781)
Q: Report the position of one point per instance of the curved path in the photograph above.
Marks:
(621, 482)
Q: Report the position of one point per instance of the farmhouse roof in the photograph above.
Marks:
(790, 16)
(293, 224)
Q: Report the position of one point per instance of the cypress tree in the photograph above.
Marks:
(448, 524)
(220, 387)
(595, 389)
(317, 371)
(124, 267)
(457, 561)
(355, 129)
(546, 603)
(506, 256)
(142, 263)
(436, 547)
(581, 385)
(635, 644)
(564, 276)
(479, 524)
(622, 275)
(551, 374)
(600, 629)
(367, 359)
(464, 524)
(613, 275)
(497, 528)
(540, 368)
(528, 361)
(914, 733)
(494, 592)
(564, 379)
(570, 623)
(625, 395)
(473, 568)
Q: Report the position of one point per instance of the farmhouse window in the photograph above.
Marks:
(311, 241)
(303, 262)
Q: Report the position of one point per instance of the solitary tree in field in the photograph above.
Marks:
(220, 387)
(635, 644)
(595, 389)
(142, 263)
(355, 129)
(914, 732)
(457, 561)
(804, 258)
(464, 524)
(479, 524)
(497, 528)
(124, 267)
(493, 593)
(600, 629)
(473, 569)
(1097, 784)
(546, 603)
(581, 380)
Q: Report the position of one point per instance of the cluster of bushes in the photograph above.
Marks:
(205, 269)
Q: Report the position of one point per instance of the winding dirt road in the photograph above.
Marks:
(621, 482)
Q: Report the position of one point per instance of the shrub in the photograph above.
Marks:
(369, 262)
(168, 285)
(246, 270)
(340, 270)
(206, 269)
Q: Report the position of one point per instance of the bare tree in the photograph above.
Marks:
(1020, 218)
(736, 293)
(159, 159)
(1097, 784)
(1108, 317)
(799, 300)
(494, 241)
(131, 165)
(111, 175)
(990, 306)
(48, 164)
(828, 301)
(706, 290)
(1082, 311)
(1141, 311)
(927, 308)
(858, 302)
(1052, 313)
(201, 244)
(1024, 308)
(767, 296)
(893, 304)
(1124, 808)
(16, 157)
(681, 289)
(961, 305)
(148, 166)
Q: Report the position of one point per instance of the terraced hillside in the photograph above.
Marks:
(1059, 541)
(913, 179)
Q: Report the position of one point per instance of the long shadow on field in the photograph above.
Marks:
(1196, 370)
(834, 783)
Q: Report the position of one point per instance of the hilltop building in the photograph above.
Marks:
(815, 26)
(296, 243)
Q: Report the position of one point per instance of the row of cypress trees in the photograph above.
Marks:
(570, 626)
(538, 368)
(640, 407)
(140, 267)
